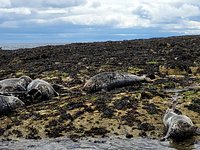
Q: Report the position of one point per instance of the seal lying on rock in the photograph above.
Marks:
(40, 89)
(14, 85)
(9, 103)
(178, 126)
(111, 80)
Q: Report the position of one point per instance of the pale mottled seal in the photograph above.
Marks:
(13, 85)
(178, 126)
(9, 103)
(40, 89)
(111, 80)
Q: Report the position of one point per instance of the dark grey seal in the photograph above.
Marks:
(40, 89)
(111, 80)
(9, 103)
(178, 126)
(12, 85)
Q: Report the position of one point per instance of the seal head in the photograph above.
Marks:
(40, 89)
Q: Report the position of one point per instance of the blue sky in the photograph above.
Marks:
(41, 21)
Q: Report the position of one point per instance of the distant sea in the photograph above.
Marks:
(14, 46)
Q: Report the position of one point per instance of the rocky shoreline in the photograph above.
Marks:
(133, 111)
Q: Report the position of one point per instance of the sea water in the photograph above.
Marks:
(14, 46)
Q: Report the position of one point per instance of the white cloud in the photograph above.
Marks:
(46, 3)
(18, 11)
(164, 14)
(184, 26)
(5, 3)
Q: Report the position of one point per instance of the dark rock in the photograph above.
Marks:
(17, 133)
(151, 108)
(2, 131)
(194, 106)
(96, 131)
(146, 95)
(124, 103)
(129, 136)
(146, 127)
(143, 134)
(74, 105)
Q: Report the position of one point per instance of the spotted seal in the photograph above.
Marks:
(40, 89)
(13, 85)
(111, 80)
(178, 126)
(9, 103)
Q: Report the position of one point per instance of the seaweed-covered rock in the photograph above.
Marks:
(171, 62)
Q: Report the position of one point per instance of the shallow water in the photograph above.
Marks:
(114, 143)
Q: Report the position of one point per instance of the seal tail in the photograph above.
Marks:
(174, 103)
(146, 78)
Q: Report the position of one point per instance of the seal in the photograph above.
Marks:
(40, 89)
(111, 80)
(14, 85)
(9, 103)
(178, 126)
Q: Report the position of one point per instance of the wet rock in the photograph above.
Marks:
(129, 136)
(143, 134)
(194, 106)
(101, 106)
(33, 133)
(53, 133)
(2, 130)
(107, 112)
(78, 114)
(146, 127)
(65, 116)
(124, 103)
(74, 105)
(130, 118)
(151, 108)
(17, 133)
(97, 131)
(146, 95)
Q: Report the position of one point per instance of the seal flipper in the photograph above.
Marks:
(167, 135)
(57, 88)
(198, 131)
(20, 88)
(55, 93)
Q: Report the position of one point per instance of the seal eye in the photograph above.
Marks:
(185, 124)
